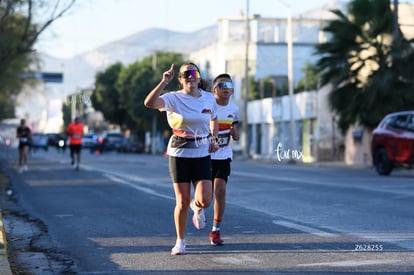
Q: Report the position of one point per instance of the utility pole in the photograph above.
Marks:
(396, 31)
(246, 85)
(73, 107)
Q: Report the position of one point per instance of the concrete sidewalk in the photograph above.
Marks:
(4, 262)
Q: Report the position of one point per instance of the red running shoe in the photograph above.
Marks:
(215, 238)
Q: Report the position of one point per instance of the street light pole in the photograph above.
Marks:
(289, 38)
(154, 115)
(290, 80)
(246, 86)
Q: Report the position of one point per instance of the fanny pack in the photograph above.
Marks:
(181, 142)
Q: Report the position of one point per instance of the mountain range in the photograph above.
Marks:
(79, 71)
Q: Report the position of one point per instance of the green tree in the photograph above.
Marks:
(138, 79)
(107, 98)
(78, 99)
(310, 81)
(19, 32)
(120, 91)
(67, 113)
(254, 88)
(366, 64)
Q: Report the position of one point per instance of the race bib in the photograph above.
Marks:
(223, 139)
(24, 139)
(76, 136)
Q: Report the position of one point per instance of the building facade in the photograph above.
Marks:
(270, 134)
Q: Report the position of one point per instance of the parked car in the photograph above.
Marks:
(109, 142)
(131, 145)
(39, 141)
(52, 139)
(393, 142)
(59, 141)
(89, 140)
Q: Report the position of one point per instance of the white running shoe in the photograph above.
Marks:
(178, 249)
(25, 168)
(21, 169)
(199, 219)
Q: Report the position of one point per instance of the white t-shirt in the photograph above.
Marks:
(189, 117)
(227, 116)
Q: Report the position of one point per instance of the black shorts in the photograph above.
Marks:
(189, 169)
(23, 144)
(221, 168)
(75, 148)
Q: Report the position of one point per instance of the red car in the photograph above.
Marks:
(393, 142)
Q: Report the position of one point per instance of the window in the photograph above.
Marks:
(399, 122)
(410, 124)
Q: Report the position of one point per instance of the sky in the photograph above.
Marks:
(93, 23)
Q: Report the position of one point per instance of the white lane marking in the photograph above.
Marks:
(278, 178)
(137, 187)
(402, 240)
(126, 176)
(238, 260)
(115, 176)
(64, 215)
(303, 228)
(352, 263)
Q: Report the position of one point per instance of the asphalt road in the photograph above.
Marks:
(114, 216)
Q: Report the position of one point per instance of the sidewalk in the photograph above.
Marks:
(4, 262)
(333, 163)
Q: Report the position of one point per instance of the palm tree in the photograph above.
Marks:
(367, 64)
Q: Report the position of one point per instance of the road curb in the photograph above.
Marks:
(4, 259)
(4, 262)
